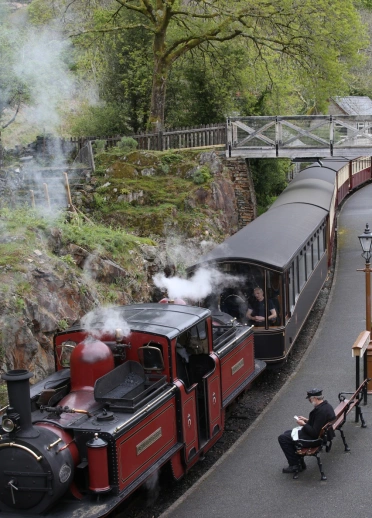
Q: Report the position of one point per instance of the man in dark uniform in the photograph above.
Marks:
(321, 415)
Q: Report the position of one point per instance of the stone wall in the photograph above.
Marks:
(244, 189)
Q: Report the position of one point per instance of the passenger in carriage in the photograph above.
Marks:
(256, 309)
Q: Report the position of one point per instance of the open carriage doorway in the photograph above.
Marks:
(197, 370)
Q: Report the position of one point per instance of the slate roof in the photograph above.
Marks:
(354, 105)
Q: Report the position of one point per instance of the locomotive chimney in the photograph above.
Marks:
(18, 416)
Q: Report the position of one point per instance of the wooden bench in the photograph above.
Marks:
(328, 432)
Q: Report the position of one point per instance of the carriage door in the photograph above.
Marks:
(190, 422)
(212, 384)
(206, 369)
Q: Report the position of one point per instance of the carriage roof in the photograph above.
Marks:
(275, 237)
(272, 239)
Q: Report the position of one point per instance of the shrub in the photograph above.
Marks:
(201, 175)
(127, 144)
(99, 146)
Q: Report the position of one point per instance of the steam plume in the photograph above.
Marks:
(204, 282)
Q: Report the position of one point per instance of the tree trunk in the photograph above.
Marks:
(159, 83)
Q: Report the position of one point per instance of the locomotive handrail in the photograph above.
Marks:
(15, 445)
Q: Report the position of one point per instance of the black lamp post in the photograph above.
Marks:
(366, 244)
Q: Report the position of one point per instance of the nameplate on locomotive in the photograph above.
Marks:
(237, 366)
(146, 443)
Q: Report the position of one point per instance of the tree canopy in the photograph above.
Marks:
(309, 39)
(188, 62)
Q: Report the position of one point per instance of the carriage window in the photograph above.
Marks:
(234, 299)
(301, 270)
(309, 259)
(291, 288)
(316, 249)
(321, 241)
(275, 295)
(295, 278)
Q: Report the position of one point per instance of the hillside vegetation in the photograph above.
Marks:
(140, 214)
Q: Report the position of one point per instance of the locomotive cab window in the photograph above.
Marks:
(63, 352)
(150, 357)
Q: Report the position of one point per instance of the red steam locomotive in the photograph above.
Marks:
(133, 390)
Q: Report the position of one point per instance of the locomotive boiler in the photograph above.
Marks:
(119, 407)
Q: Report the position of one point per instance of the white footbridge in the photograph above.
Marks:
(312, 136)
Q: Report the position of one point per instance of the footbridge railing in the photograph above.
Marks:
(299, 136)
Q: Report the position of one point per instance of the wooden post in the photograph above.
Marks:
(359, 349)
(32, 199)
(69, 200)
(46, 194)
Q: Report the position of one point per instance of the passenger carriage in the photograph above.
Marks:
(287, 252)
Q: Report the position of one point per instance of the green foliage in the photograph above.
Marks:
(115, 243)
(14, 87)
(99, 146)
(68, 259)
(102, 120)
(40, 12)
(201, 175)
(170, 157)
(127, 144)
(270, 179)
(3, 390)
(20, 304)
(62, 324)
(99, 200)
(214, 58)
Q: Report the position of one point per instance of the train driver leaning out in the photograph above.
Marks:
(308, 429)
(256, 310)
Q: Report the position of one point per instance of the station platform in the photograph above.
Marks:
(248, 480)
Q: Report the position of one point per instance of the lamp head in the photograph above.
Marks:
(366, 243)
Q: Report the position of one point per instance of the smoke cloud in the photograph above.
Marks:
(103, 321)
(203, 283)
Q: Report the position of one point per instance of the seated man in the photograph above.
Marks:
(256, 310)
(321, 415)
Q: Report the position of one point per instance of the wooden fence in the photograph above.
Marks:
(203, 136)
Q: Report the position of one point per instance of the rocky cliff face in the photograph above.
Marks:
(49, 279)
